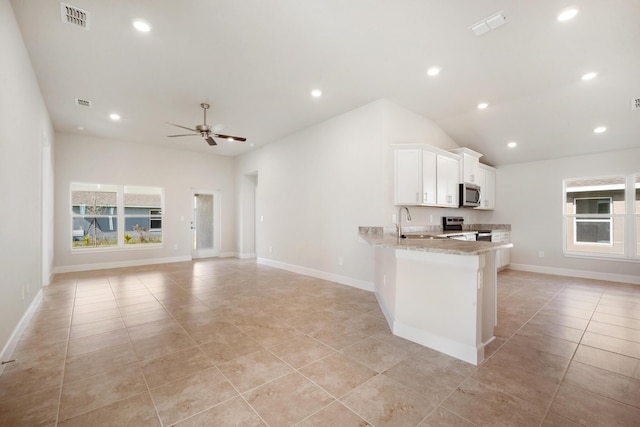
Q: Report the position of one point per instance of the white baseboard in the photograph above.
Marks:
(118, 264)
(611, 277)
(10, 345)
(343, 280)
(227, 255)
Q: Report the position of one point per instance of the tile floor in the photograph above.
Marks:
(232, 343)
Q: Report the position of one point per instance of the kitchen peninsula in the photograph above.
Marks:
(437, 292)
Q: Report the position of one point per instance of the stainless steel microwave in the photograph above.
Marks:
(469, 195)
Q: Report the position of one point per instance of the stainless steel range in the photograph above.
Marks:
(452, 227)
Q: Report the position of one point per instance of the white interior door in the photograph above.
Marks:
(205, 224)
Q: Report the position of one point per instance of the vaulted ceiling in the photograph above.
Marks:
(256, 62)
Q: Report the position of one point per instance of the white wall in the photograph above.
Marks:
(317, 186)
(95, 160)
(26, 138)
(529, 196)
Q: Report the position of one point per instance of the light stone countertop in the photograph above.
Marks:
(443, 246)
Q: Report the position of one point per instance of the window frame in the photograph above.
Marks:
(630, 220)
(117, 218)
(592, 218)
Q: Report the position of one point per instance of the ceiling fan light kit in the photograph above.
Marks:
(206, 131)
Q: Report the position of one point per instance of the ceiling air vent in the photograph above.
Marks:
(83, 102)
(74, 16)
(635, 104)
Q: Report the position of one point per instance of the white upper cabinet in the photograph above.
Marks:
(469, 165)
(487, 182)
(448, 172)
(408, 176)
(426, 176)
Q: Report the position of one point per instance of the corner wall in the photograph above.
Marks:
(120, 162)
(531, 200)
(26, 182)
(317, 186)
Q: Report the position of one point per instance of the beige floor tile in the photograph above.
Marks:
(444, 361)
(338, 374)
(94, 307)
(532, 360)
(271, 334)
(622, 310)
(188, 396)
(555, 420)
(34, 341)
(33, 410)
(135, 411)
(338, 336)
(375, 354)
(546, 343)
(485, 405)
(430, 380)
(234, 412)
(335, 414)
(94, 328)
(100, 390)
(141, 307)
(26, 378)
(535, 389)
(384, 402)
(136, 319)
(95, 316)
(611, 319)
(159, 345)
(440, 417)
(228, 346)
(599, 381)
(551, 318)
(301, 352)
(367, 324)
(158, 327)
(615, 345)
(589, 409)
(557, 331)
(615, 331)
(174, 366)
(613, 362)
(78, 346)
(97, 362)
(287, 400)
(212, 330)
(253, 370)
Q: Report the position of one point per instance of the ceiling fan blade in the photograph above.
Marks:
(210, 141)
(186, 134)
(183, 127)
(235, 138)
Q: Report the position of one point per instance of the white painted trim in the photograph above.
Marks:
(385, 311)
(119, 264)
(227, 255)
(343, 280)
(245, 255)
(11, 344)
(596, 275)
(456, 349)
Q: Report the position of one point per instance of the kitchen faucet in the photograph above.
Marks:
(399, 224)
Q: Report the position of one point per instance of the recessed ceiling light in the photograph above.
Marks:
(589, 76)
(316, 93)
(482, 105)
(80, 127)
(114, 116)
(567, 14)
(252, 145)
(230, 139)
(141, 26)
(600, 129)
(512, 144)
(433, 71)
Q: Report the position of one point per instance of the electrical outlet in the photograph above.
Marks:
(540, 254)
(394, 219)
(340, 260)
(270, 249)
(175, 247)
(430, 219)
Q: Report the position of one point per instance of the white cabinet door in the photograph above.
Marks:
(487, 182)
(470, 168)
(429, 177)
(408, 176)
(448, 173)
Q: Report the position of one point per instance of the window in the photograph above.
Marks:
(598, 216)
(115, 216)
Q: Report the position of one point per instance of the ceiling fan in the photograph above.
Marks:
(206, 131)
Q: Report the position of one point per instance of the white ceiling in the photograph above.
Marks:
(255, 62)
